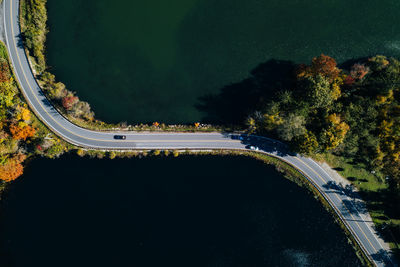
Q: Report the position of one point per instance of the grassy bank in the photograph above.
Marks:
(382, 202)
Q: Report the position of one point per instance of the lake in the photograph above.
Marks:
(185, 211)
(145, 61)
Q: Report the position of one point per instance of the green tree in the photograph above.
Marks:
(291, 127)
(306, 144)
(318, 91)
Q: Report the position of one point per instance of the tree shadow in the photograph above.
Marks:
(382, 256)
(338, 169)
(235, 102)
(338, 188)
(349, 63)
(263, 144)
(20, 41)
(386, 202)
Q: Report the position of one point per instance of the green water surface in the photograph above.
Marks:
(144, 61)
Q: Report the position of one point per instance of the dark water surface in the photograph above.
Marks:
(143, 61)
(188, 211)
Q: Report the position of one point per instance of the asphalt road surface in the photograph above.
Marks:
(344, 200)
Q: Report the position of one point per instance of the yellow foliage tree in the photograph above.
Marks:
(336, 92)
(335, 133)
(307, 143)
(272, 120)
(23, 114)
(26, 114)
(334, 118)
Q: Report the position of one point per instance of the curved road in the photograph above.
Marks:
(344, 201)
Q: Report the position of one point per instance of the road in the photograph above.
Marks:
(344, 201)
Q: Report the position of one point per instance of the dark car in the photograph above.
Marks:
(120, 137)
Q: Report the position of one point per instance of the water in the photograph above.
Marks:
(185, 211)
(144, 61)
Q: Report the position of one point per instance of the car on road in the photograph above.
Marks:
(120, 137)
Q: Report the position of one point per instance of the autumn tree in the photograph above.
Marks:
(82, 110)
(69, 101)
(358, 71)
(306, 144)
(22, 113)
(322, 65)
(7, 94)
(4, 71)
(12, 168)
(334, 134)
(21, 131)
(326, 66)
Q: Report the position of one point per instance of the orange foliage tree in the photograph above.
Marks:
(12, 168)
(323, 65)
(21, 131)
(326, 66)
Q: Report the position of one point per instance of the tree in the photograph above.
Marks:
(292, 126)
(57, 149)
(12, 168)
(21, 131)
(7, 94)
(326, 66)
(358, 71)
(69, 101)
(319, 92)
(306, 144)
(82, 110)
(322, 65)
(4, 70)
(378, 62)
(335, 133)
(251, 125)
(23, 114)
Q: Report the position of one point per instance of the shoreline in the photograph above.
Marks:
(274, 164)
